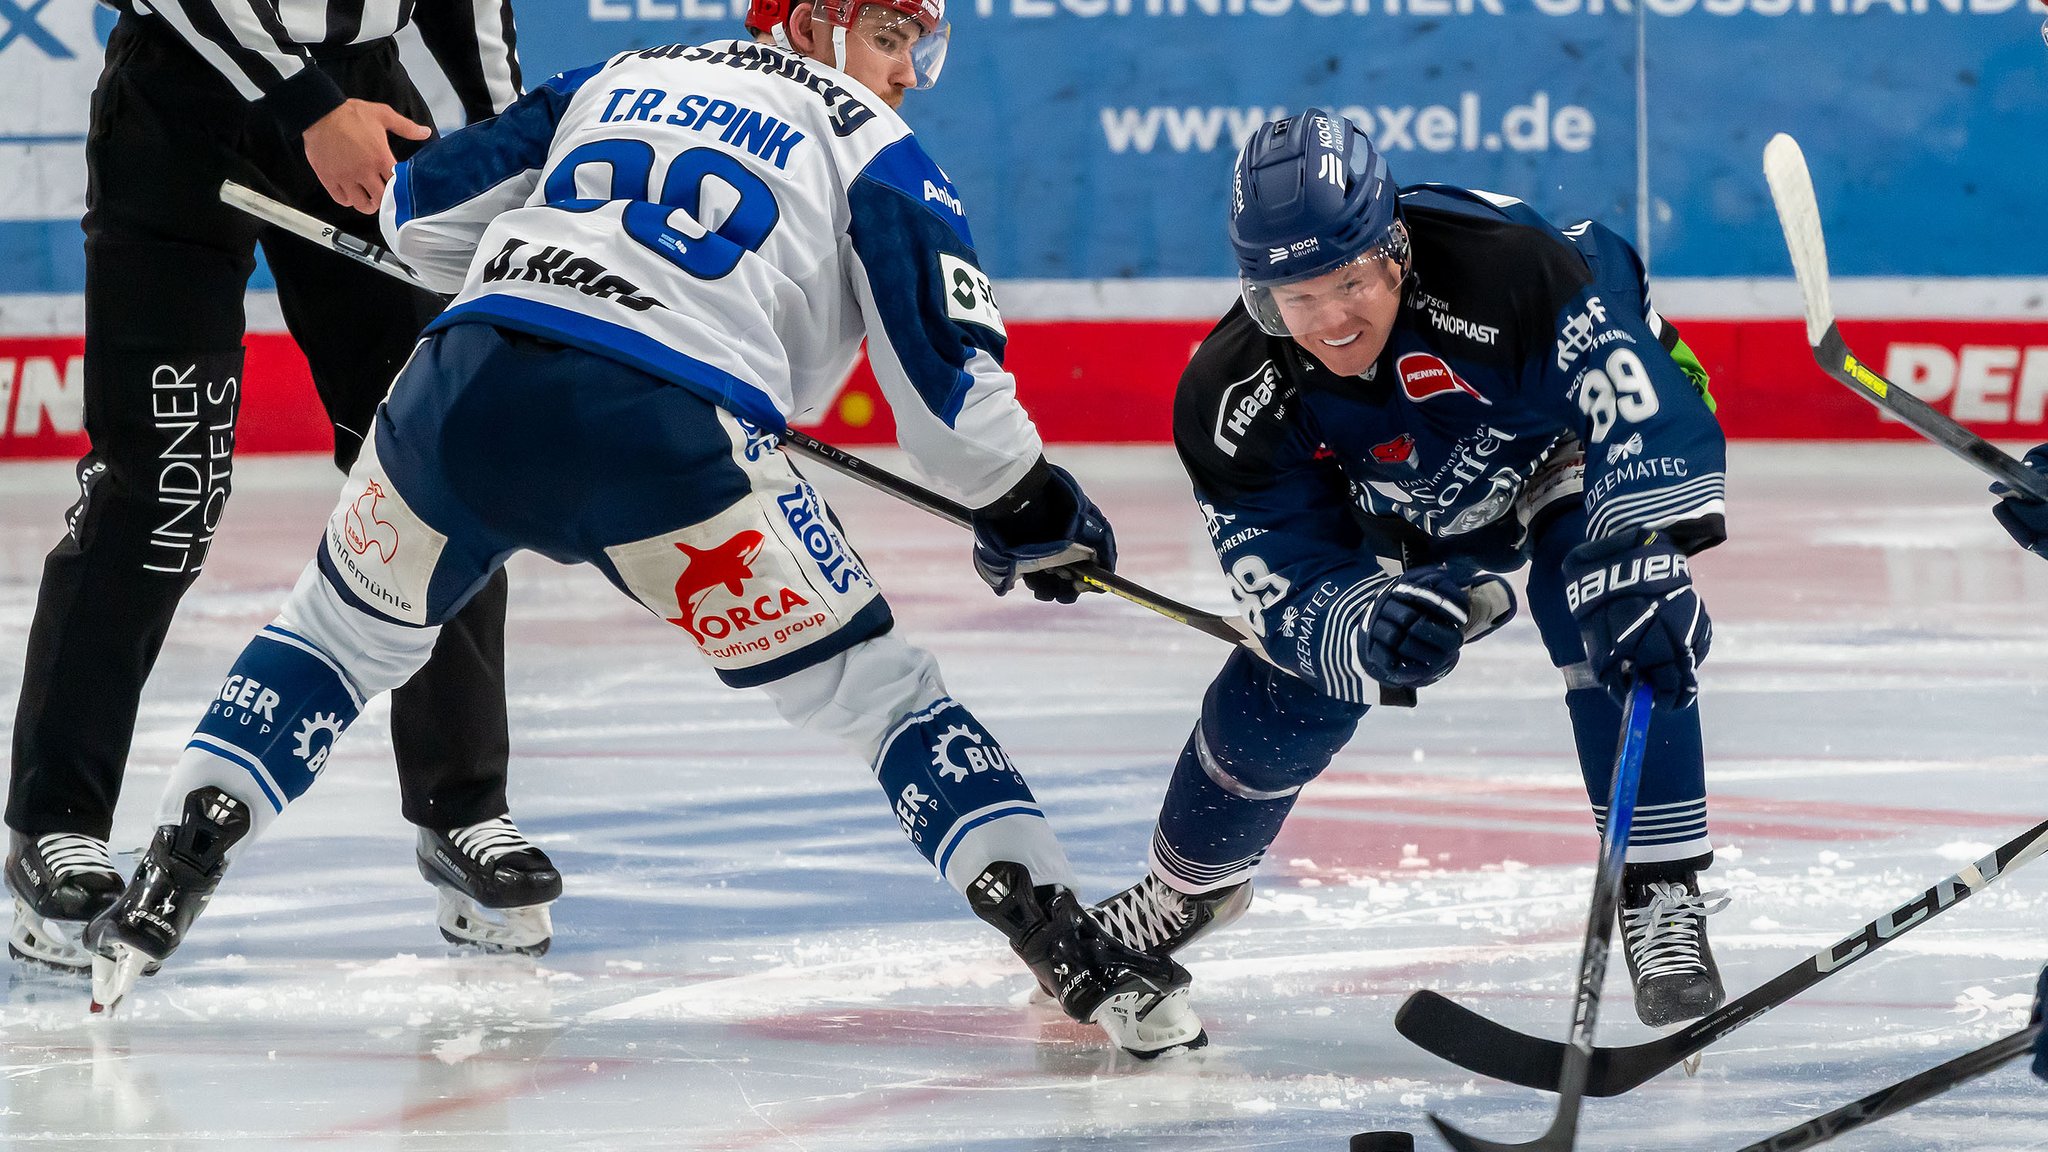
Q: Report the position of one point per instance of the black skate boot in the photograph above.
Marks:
(1158, 919)
(176, 879)
(1141, 1001)
(1664, 933)
(495, 886)
(60, 881)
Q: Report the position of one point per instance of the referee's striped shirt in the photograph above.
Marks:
(265, 48)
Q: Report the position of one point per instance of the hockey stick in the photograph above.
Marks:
(1799, 215)
(1563, 1132)
(1900, 1096)
(1464, 1037)
(1231, 629)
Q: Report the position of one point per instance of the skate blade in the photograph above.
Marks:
(114, 973)
(1148, 1025)
(526, 931)
(52, 944)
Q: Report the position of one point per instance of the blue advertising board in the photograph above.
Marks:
(1092, 139)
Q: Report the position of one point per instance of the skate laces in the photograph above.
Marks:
(1145, 915)
(489, 841)
(1664, 931)
(71, 853)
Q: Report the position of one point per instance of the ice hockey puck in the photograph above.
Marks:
(1383, 1142)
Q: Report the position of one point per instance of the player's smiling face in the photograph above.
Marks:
(1345, 316)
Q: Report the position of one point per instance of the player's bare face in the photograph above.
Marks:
(1344, 317)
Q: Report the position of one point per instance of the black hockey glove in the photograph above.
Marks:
(1419, 625)
(2025, 518)
(1633, 598)
(1036, 528)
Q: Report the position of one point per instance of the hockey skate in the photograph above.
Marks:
(60, 881)
(177, 877)
(1139, 1000)
(1157, 919)
(495, 886)
(1664, 934)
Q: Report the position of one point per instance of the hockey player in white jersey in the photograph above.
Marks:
(657, 262)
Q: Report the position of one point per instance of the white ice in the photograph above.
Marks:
(750, 956)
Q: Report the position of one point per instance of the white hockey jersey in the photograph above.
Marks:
(734, 218)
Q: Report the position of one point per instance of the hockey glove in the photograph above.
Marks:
(2026, 519)
(1036, 528)
(1416, 627)
(1638, 614)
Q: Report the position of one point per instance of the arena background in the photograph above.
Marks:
(1092, 139)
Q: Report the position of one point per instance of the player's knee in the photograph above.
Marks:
(1265, 732)
(376, 654)
(861, 694)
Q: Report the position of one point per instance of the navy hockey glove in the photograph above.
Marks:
(1633, 598)
(1416, 628)
(1035, 528)
(2026, 519)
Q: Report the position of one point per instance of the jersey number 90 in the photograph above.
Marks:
(705, 255)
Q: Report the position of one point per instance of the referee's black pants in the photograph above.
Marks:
(166, 267)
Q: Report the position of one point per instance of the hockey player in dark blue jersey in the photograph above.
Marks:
(1422, 389)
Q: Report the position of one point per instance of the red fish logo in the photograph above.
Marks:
(728, 565)
(1395, 451)
(1423, 376)
(365, 531)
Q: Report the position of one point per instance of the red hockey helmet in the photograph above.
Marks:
(767, 15)
(918, 26)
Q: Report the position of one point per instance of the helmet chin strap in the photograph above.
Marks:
(839, 47)
(780, 34)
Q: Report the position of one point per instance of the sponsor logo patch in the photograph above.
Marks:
(970, 298)
(1399, 450)
(1424, 376)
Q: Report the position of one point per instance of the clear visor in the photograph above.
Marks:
(1330, 299)
(900, 37)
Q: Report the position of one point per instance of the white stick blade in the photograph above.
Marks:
(1799, 216)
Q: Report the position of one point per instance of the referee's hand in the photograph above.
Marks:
(349, 151)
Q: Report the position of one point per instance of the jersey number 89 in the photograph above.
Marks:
(708, 255)
(1623, 390)
(1256, 588)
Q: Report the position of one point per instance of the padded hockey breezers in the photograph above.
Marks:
(60, 881)
(1157, 919)
(495, 886)
(1140, 1000)
(1664, 933)
(177, 877)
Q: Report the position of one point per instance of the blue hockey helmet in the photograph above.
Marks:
(1311, 195)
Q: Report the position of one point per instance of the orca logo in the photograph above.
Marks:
(1424, 376)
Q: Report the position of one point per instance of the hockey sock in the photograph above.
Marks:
(274, 722)
(1671, 805)
(961, 801)
(1214, 828)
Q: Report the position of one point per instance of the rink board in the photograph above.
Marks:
(1111, 381)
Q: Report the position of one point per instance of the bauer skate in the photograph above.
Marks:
(177, 877)
(1139, 1000)
(495, 886)
(1664, 934)
(1157, 919)
(60, 881)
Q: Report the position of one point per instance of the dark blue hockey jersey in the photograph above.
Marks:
(1516, 345)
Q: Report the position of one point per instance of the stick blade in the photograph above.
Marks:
(1447, 1029)
(1799, 215)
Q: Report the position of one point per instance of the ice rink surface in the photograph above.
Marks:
(750, 956)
